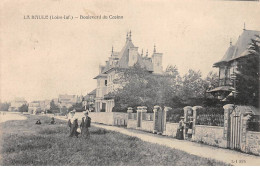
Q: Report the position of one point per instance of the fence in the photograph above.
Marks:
(132, 116)
(235, 128)
(210, 116)
(174, 115)
(148, 117)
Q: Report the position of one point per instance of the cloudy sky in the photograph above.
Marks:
(43, 58)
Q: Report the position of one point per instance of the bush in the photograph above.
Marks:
(119, 109)
(212, 116)
(254, 123)
(174, 116)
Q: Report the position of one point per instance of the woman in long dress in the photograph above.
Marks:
(73, 124)
(179, 134)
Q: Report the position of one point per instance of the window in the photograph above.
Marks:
(105, 82)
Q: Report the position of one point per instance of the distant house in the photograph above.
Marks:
(67, 101)
(38, 106)
(16, 103)
(90, 100)
(228, 64)
(114, 67)
(34, 107)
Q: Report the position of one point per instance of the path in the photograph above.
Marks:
(225, 155)
(201, 150)
(11, 116)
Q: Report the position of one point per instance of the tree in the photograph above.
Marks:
(247, 77)
(53, 107)
(64, 110)
(143, 88)
(212, 80)
(4, 106)
(23, 108)
(78, 107)
(193, 85)
(172, 70)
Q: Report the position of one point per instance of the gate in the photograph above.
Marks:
(235, 130)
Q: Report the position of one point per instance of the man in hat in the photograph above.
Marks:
(85, 124)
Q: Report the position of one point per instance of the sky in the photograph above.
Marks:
(41, 59)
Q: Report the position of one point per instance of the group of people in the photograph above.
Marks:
(38, 122)
(181, 129)
(75, 128)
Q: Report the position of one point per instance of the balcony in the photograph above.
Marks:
(226, 82)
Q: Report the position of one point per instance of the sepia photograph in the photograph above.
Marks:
(129, 83)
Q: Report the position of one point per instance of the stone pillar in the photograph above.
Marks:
(228, 108)
(187, 110)
(155, 118)
(144, 111)
(195, 108)
(129, 112)
(244, 118)
(139, 117)
(107, 104)
(165, 112)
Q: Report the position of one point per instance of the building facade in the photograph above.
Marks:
(38, 106)
(127, 57)
(16, 103)
(67, 101)
(89, 100)
(228, 64)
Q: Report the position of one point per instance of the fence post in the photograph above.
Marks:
(228, 108)
(195, 108)
(144, 111)
(129, 112)
(165, 112)
(187, 110)
(155, 118)
(139, 117)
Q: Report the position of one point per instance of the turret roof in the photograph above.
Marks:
(239, 48)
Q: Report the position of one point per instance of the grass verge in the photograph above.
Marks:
(25, 143)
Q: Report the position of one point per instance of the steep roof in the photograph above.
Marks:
(93, 92)
(240, 47)
(124, 54)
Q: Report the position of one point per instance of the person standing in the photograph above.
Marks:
(179, 134)
(73, 124)
(85, 124)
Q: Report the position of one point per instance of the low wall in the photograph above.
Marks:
(102, 117)
(131, 124)
(212, 135)
(147, 125)
(253, 142)
(171, 129)
(120, 119)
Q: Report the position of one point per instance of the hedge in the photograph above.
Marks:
(254, 123)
